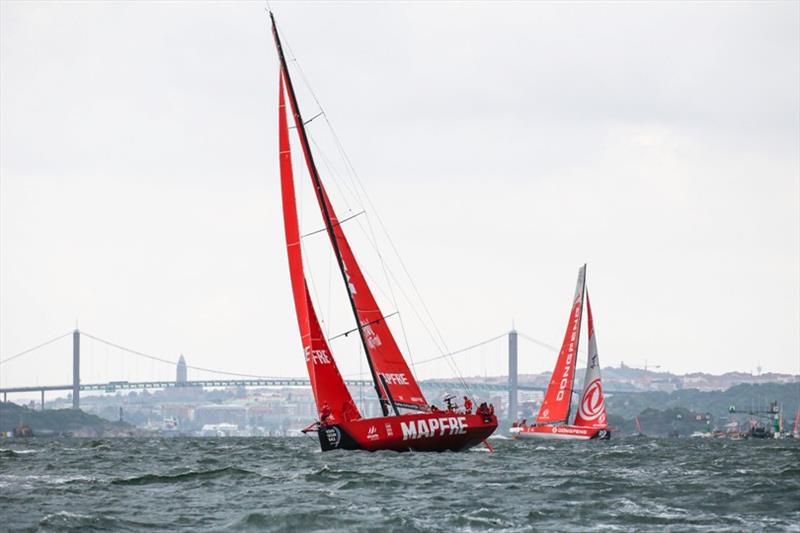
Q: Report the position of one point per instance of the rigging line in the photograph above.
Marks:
(328, 164)
(326, 208)
(336, 177)
(330, 284)
(462, 350)
(358, 180)
(339, 224)
(359, 183)
(315, 299)
(29, 350)
(161, 359)
(340, 147)
(351, 168)
(370, 236)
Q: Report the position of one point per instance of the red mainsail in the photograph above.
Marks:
(326, 381)
(557, 399)
(592, 407)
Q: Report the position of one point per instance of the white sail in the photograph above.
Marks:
(592, 406)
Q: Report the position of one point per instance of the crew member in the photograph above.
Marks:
(449, 402)
(483, 410)
(467, 405)
(325, 413)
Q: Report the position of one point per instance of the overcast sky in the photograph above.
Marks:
(502, 145)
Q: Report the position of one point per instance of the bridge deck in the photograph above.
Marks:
(276, 382)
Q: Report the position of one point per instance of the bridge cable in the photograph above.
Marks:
(538, 342)
(543, 344)
(172, 363)
(29, 350)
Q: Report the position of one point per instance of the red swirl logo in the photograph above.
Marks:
(592, 401)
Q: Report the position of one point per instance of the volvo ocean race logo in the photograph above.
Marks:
(418, 429)
(333, 435)
(592, 402)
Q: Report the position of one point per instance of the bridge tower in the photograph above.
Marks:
(76, 369)
(512, 375)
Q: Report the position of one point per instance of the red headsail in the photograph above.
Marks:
(326, 381)
(557, 399)
(389, 362)
(592, 407)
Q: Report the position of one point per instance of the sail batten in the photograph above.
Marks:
(558, 397)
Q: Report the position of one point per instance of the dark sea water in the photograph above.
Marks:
(632, 484)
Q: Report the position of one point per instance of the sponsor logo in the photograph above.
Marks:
(570, 430)
(373, 341)
(562, 385)
(591, 406)
(395, 379)
(372, 434)
(389, 431)
(431, 427)
(334, 436)
(319, 357)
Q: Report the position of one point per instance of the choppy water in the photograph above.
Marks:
(287, 484)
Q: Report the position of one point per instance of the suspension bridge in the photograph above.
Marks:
(234, 379)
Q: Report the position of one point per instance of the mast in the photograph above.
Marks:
(312, 167)
(577, 341)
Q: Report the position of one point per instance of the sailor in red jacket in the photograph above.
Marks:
(467, 405)
(325, 413)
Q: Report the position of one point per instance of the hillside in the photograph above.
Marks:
(60, 422)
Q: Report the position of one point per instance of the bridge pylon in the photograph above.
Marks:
(76, 369)
(512, 375)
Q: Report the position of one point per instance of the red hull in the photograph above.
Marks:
(564, 432)
(423, 432)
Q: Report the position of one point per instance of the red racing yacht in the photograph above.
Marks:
(590, 420)
(408, 422)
